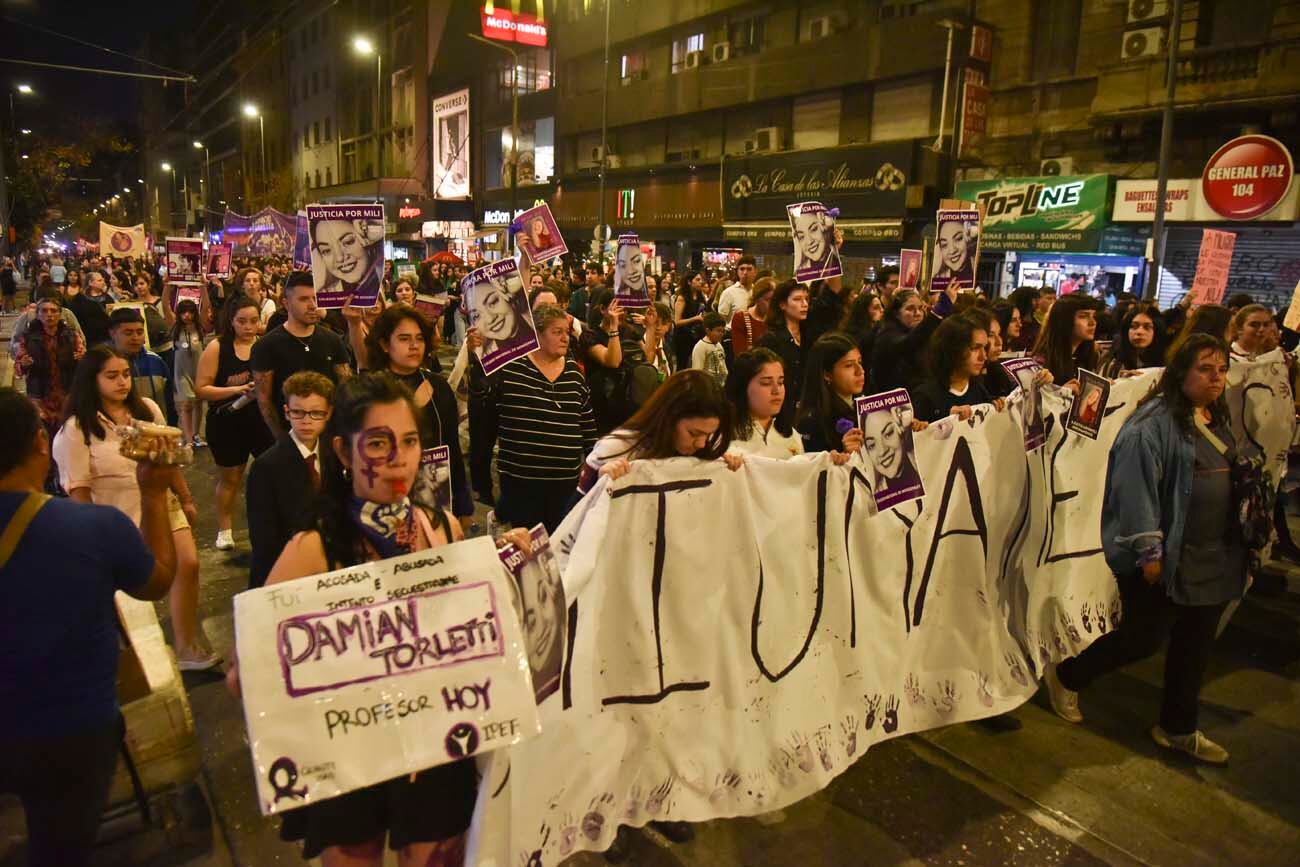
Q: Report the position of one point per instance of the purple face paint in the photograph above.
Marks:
(378, 447)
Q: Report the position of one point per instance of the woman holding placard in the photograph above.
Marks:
(370, 456)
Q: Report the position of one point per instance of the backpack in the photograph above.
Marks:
(1253, 492)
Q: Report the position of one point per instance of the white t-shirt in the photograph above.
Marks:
(710, 358)
(734, 297)
(769, 444)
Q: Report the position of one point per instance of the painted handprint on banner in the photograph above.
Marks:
(982, 688)
(948, 697)
(724, 786)
(890, 723)
(655, 804)
(1114, 613)
(1017, 670)
(912, 689)
(1101, 618)
(849, 732)
(873, 707)
(803, 753)
(756, 783)
(823, 741)
(594, 822)
(568, 835)
(1085, 617)
(632, 804)
(1058, 642)
(782, 767)
(1070, 628)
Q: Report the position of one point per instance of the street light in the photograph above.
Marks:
(204, 182)
(363, 46)
(25, 131)
(251, 111)
(514, 123)
(25, 88)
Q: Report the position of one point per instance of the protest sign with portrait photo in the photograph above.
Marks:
(123, 241)
(219, 256)
(431, 305)
(186, 292)
(956, 249)
(544, 612)
(1089, 406)
(816, 256)
(888, 447)
(184, 259)
(432, 486)
(497, 306)
(1025, 373)
(629, 273)
(909, 269)
(537, 235)
(301, 243)
(379, 670)
(347, 253)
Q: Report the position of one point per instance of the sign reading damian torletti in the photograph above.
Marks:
(1048, 213)
(862, 181)
(822, 626)
(1247, 177)
(364, 674)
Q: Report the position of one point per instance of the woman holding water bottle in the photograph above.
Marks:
(235, 427)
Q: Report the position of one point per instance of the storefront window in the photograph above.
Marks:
(536, 153)
(684, 47)
(534, 72)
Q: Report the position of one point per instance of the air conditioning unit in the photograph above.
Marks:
(614, 162)
(1146, 42)
(1145, 10)
(597, 154)
(721, 52)
(1056, 167)
(820, 27)
(750, 145)
(693, 59)
(768, 138)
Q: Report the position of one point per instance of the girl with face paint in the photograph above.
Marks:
(370, 455)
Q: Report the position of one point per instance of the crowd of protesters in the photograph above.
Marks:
(728, 364)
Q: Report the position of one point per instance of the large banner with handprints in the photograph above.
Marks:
(267, 233)
(368, 673)
(738, 639)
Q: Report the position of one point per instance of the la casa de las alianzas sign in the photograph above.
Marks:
(862, 181)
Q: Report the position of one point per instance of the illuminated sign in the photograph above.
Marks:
(627, 204)
(511, 25)
(407, 212)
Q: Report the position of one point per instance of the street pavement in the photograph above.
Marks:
(1051, 793)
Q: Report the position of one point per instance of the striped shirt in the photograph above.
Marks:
(545, 428)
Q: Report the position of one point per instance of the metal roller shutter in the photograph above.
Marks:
(1265, 263)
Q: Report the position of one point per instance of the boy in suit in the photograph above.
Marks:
(284, 479)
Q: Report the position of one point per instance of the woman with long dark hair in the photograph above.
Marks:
(93, 469)
(786, 315)
(1171, 535)
(1066, 342)
(863, 322)
(1139, 344)
(187, 338)
(398, 343)
(370, 456)
(1212, 319)
(833, 379)
(688, 313)
(958, 356)
(898, 356)
(756, 389)
(236, 430)
(687, 416)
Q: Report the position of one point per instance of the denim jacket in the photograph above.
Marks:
(1148, 488)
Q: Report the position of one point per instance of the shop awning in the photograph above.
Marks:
(854, 230)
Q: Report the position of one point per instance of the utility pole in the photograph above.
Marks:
(604, 144)
(1166, 141)
(514, 121)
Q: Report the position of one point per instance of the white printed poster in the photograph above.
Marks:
(347, 254)
(816, 255)
(363, 674)
(451, 145)
(122, 241)
(820, 628)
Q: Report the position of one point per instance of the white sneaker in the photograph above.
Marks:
(225, 540)
(1064, 701)
(1196, 745)
(204, 661)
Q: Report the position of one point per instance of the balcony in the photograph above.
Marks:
(1205, 77)
(844, 58)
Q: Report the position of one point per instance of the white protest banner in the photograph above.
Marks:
(1212, 266)
(956, 249)
(368, 673)
(347, 253)
(184, 259)
(738, 639)
(629, 273)
(122, 240)
(497, 305)
(1292, 318)
(816, 255)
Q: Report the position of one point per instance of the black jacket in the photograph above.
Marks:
(278, 496)
(793, 355)
(932, 402)
(898, 358)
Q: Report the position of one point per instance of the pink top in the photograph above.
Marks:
(100, 466)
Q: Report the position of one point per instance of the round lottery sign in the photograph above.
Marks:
(1247, 177)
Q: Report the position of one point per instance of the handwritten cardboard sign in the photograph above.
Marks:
(367, 673)
(1212, 266)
